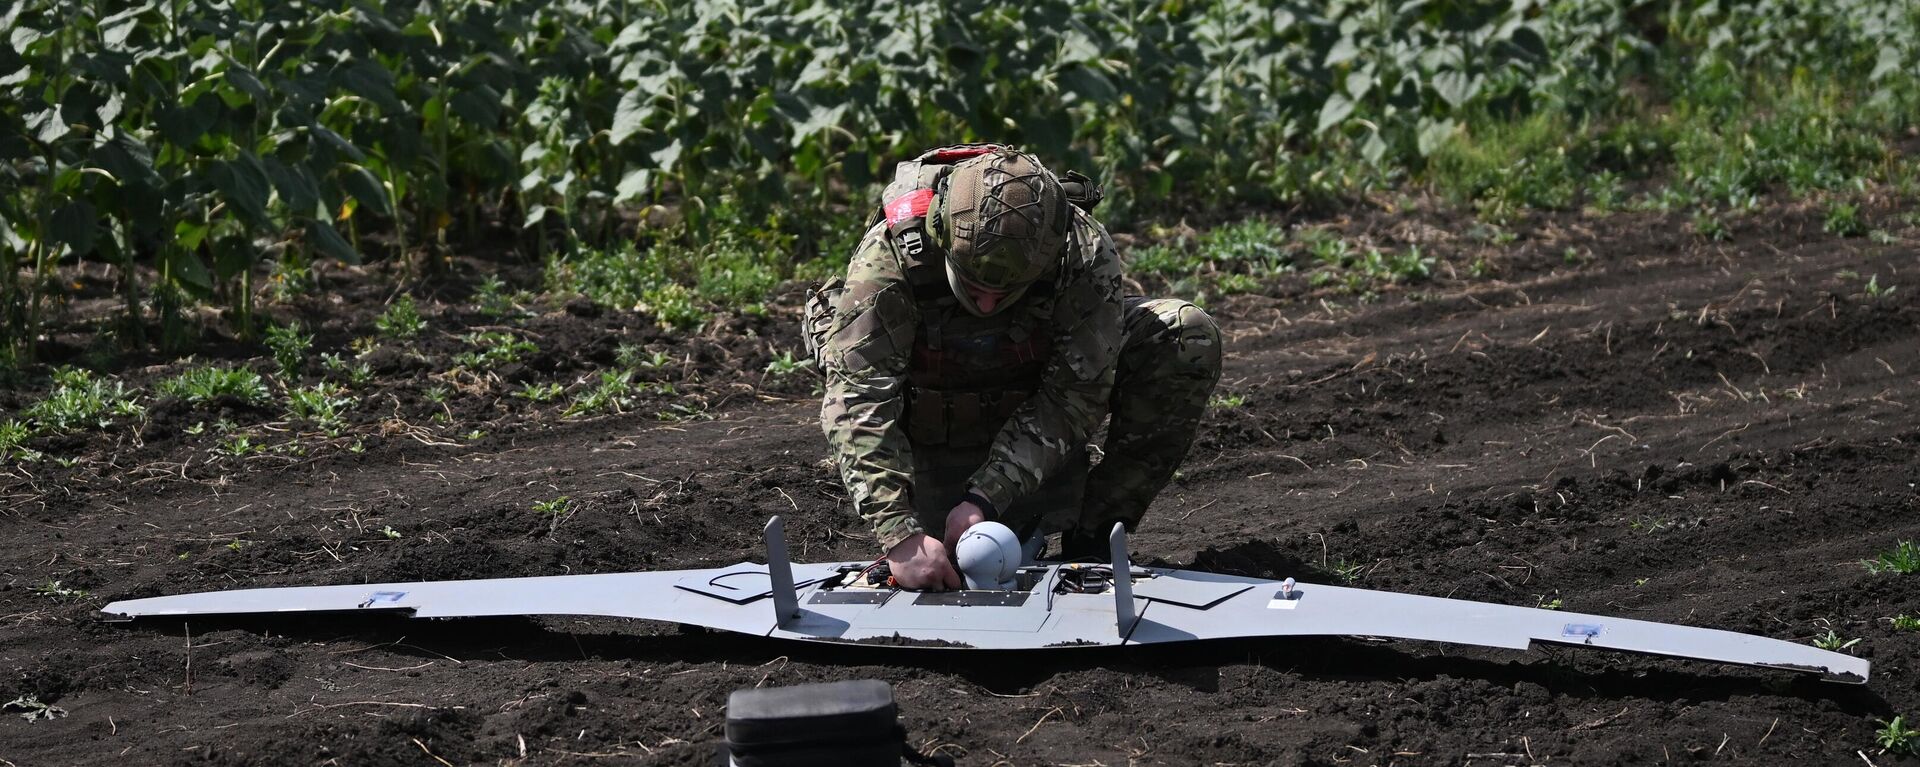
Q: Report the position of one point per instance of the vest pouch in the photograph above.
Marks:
(817, 320)
(964, 420)
(927, 417)
(960, 419)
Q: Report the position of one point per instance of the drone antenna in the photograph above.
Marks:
(1122, 580)
(786, 603)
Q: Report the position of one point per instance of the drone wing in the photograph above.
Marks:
(732, 598)
(1264, 608)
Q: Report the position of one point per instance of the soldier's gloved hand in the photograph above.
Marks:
(920, 563)
(962, 517)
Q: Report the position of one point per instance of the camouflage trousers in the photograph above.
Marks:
(1168, 365)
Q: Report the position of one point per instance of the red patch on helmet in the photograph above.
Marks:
(913, 204)
(958, 153)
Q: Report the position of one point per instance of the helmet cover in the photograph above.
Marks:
(1002, 218)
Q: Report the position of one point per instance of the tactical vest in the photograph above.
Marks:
(968, 374)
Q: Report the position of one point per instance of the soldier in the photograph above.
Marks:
(978, 340)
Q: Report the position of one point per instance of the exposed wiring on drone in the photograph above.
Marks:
(715, 580)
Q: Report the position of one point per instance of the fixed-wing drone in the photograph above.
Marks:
(1010, 605)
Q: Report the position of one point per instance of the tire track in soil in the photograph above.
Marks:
(1711, 435)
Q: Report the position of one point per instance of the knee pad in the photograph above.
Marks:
(1196, 339)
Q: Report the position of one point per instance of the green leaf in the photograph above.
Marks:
(818, 119)
(360, 182)
(1342, 52)
(1359, 82)
(233, 255)
(47, 125)
(1434, 134)
(187, 270)
(325, 239)
(74, 224)
(247, 84)
(1374, 148)
(243, 184)
(479, 105)
(668, 156)
(296, 187)
(115, 29)
(326, 137)
(1334, 112)
(129, 161)
(1088, 84)
(1454, 87)
(184, 124)
(637, 184)
(372, 82)
(630, 116)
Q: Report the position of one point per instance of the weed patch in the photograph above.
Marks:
(1904, 559)
(289, 347)
(81, 401)
(202, 385)
(401, 321)
(494, 348)
(324, 404)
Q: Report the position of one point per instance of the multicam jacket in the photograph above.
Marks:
(906, 370)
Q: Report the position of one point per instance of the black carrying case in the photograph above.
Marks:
(837, 724)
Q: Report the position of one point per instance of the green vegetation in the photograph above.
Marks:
(1905, 623)
(202, 385)
(324, 404)
(54, 590)
(554, 506)
(1897, 738)
(13, 442)
(1833, 642)
(289, 347)
(494, 348)
(1904, 559)
(784, 365)
(356, 373)
(401, 320)
(492, 299)
(670, 283)
(1877, 291)
(31, 709)
(1844, 219)
(614, 393)
(195, 148)
(633, 357)
(540, 393)
(240, 446)
(81, 401)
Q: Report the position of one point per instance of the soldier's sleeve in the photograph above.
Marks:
(1079, 377)
(865, 359)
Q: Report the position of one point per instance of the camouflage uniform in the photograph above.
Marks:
(924, 401)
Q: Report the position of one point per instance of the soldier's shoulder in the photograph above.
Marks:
(1091, 247)
(875, 260)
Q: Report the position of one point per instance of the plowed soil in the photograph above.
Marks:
(1622, 418)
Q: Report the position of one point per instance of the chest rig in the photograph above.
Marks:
(968, 374)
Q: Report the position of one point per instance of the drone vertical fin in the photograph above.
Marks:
(1122, 579)
(786, 602)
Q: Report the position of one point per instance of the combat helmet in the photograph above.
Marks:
(1002, 219)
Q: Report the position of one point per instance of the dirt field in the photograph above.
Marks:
(1657, 427)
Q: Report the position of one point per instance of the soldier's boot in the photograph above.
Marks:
(1169, 364)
